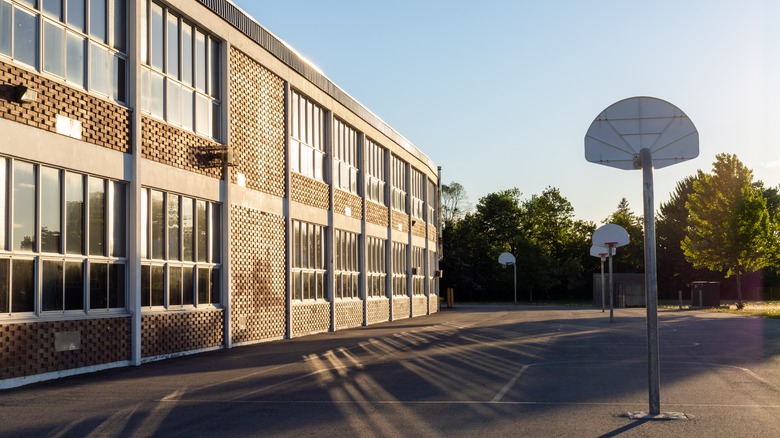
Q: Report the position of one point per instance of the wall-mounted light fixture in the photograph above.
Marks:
(215, 156)
(25, 94)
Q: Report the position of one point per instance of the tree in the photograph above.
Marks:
(629, 258)
(557, 245)
(675, 272)
(454, 203)
(729, 228)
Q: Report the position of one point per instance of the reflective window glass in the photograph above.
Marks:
(74, 213)
(156, 37)
(22, 286)
(118, 208)
(97, 216)
(74, 68)
(116, 286)
(26, 37)
(74, 286)
(51, 286)
(146, 286)
(6, 12)
(118, 78)
(52, 8)
(188, 286)
(187, 224)
(97, 19)
(5, 275)
(174, 286)
(3, 206)
(157, 95)
(200, 61)
(202, 247)
(120, 25)
(75, 14)
(24, 206)
(158, 286)
(186, 53)
(99, 68)
(173, 46)
(204, 286)
(173, 227)
(51, 209)
(53, 49)
(158, 225)
(98, 286)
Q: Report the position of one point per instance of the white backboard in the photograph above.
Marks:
(506, 258)
(600, 251)
(623, 129)
(610, 235)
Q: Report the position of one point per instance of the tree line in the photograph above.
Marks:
(717, 226)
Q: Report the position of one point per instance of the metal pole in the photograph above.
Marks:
(603, 286)
(651, 285)
(611, 300)
(514, 266)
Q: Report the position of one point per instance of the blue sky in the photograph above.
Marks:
(500, 93)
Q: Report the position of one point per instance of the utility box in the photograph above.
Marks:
(705, 294)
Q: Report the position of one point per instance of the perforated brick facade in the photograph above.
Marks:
(400, 221)
(258, 275)
(343, 200)
(419, 305)
(419, 228)
(309, 191)
(432, 235)
(378, 310)
(28, 349)
(176, 147)
(377, 214)
(401, 308)
(257, 124)
(310, 318)
(349, 313)
(433, 303)
(103, 123)
(176, 332)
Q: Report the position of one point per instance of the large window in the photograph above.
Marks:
(307, 139)
(181, 251)
(66, 250)
(82, 42)
(347, 271)
(308, 262)
(398, 186)
(376, 267)
(180, 81)
(399, 269)
(432, 200)
(345, 154)
(418, 194)
(375, 172)
(418, 270)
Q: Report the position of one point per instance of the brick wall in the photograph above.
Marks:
(377, 214)
(399, 219)
(401, 308)
(378, 310)
(309, 191)
(258, 251)
(349, 313)
(420, 305)
(257, 124)
(176, 147)
(27, 349)
(311, 318)
(176, 332)
(342, 200)
(104, 123)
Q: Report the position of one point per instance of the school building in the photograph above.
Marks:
(175, 179)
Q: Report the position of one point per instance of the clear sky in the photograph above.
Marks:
(500, 93)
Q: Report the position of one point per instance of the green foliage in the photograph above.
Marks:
(629, 258)
(728, 227)
(454, 203)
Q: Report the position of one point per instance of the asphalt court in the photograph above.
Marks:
(472, 371)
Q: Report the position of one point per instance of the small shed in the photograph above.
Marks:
(629, 290)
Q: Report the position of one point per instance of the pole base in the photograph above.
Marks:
(663, 416)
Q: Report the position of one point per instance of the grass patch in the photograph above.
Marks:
(764, 309)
